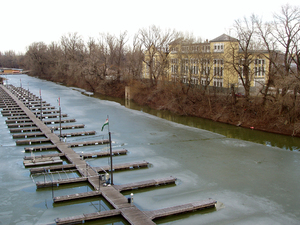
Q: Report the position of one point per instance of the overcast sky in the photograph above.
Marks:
(26, 21)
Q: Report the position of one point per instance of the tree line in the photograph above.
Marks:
(113, 59)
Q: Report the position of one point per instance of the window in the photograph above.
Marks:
(218, 82)
(174, 49)
(194, 66)
(218, 67)
(205, 64)
(259, 67)
(174, 69)
(219, 47)
(174, 66)
(174, 61)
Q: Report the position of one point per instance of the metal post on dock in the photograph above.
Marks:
(111, 162)
(28, 95)
(99, 181)
(41, 106)
(59, 118)
(131, 196)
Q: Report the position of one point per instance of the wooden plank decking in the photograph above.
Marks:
(103, 154)
(85, 143)
(60, 182)
(52, 168)
(122, 166)
(28, 135)
(145, 184)
(43, 156)
(42, 161)
(87, 217)
(32, 141)
(189, 207)
(82, 133)
(76, 196)
(40, 148)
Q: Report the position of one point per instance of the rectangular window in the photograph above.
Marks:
(219, 47)
(259, 67)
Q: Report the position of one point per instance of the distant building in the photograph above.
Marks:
(10, 71)
(218, 63)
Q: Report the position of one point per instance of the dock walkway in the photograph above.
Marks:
(16, 108)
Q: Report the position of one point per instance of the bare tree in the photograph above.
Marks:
(119, 59)
(286, 32)
(269, 43)
(37, 59)
(155, 44)
(241, 55)
(55, 60)
(73, 50)
(134, 59)
(9, 59)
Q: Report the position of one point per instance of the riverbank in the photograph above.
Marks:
(275, 117)
(220, 108)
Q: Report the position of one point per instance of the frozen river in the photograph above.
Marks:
(254, 182)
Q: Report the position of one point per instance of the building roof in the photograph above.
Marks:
(223, 38)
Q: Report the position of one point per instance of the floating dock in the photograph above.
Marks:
(24, 110)
(42, 161)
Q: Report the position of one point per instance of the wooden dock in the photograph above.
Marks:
(41, 148)
(23, 110)
(32, 141)
(87, 217)
(42, 161)
(103, 154)
(155, 214)
(146, 184)
(189, 207)
(18, 121)
(125, 187)
(52, 168)
(28, 135)
(77, 196)
(83, 133)
(43, 156)
(61, 182)
(122, 166)
(102, 170)
(86, 143)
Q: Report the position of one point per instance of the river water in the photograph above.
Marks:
(254, 176)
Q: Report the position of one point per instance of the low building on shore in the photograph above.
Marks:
(11, 71)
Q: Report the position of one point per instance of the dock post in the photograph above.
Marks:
(111, 162)
(131, 196)
(99, 181)
(28, 95)
(41, 105)
(59, 123)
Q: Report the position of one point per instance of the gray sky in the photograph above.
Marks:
(26, 21)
